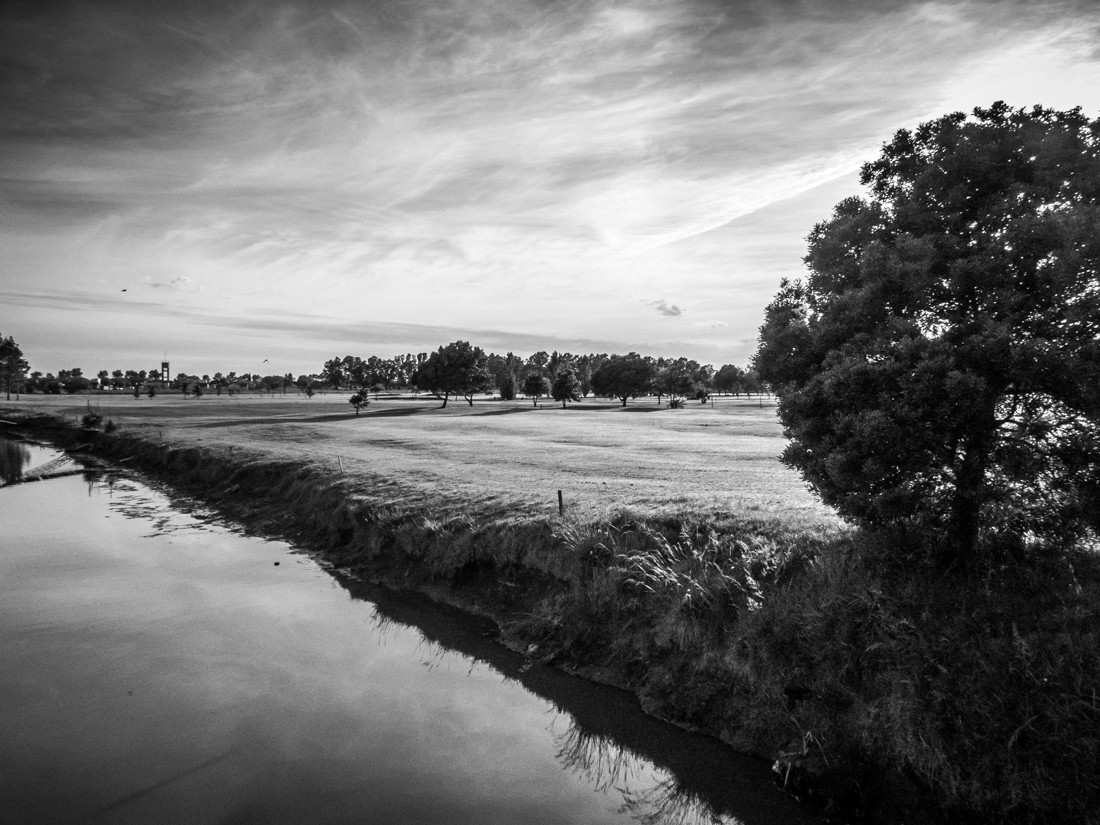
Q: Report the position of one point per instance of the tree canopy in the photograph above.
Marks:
(455, 369)
(941, 363)
(535, 384)
(624, 376)
(682, 378)
(567, 387)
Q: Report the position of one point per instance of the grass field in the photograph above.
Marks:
(498, 457)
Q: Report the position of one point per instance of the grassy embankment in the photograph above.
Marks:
(690, 567)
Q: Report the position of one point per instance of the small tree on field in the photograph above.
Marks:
(567, 387)
(624, 376)
(507, 387)
(681, 378)
(941, 364)
(535, 385)
(730, 378)
(359, 400)
(456, 369)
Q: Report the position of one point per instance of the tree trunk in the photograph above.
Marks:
(965, 524)
(970, 486)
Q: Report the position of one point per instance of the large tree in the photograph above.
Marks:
(941, 363)
(624, 376)
(456, 369)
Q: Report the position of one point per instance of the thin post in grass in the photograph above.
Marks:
(561, 505)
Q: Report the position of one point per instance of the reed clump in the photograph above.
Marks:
(862, 674)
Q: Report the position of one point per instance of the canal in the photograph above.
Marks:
(159, 665)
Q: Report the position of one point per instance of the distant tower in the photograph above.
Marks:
(164, 371)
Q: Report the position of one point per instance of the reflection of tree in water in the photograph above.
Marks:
(606, 764)
(667, 803)
(432, 654)
(662, 775)
(14, 458)
(601, 761)
(97, 480)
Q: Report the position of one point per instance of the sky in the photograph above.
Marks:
(262, 186)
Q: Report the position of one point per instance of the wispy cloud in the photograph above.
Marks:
(468, 161)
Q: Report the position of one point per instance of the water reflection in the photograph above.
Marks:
(662, 774)
(606, 764)
(649, 792)
(14, 459)
(186, 668)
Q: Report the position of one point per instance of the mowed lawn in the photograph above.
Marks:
(496, 457)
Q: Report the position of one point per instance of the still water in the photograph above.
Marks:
(159, 666)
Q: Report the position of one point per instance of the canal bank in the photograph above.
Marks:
(554, 588)
(782, 644)
(161, 666)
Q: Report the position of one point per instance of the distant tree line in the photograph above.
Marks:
(149, 381)
(456, 370)
(460, 369)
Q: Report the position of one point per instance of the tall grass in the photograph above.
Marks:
(861, 674)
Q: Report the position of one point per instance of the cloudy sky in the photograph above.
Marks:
(229, 182)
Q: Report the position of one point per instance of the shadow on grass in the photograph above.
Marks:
(393, 413)
(275, 419)
(627, 408)
(312, 419)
